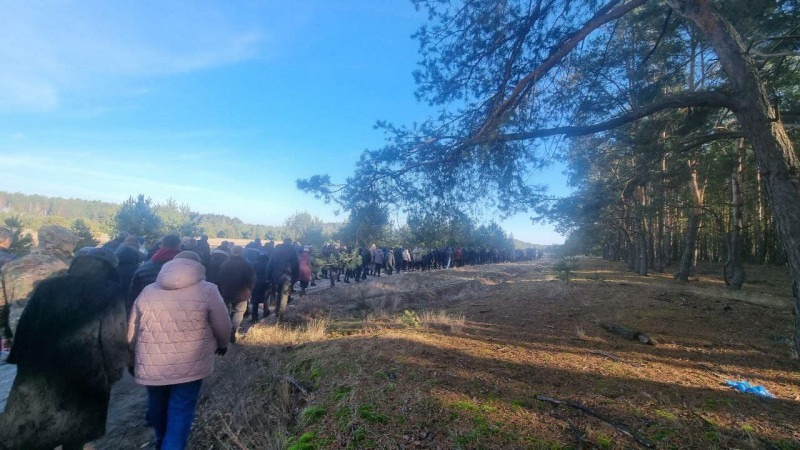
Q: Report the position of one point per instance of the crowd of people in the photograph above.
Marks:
(357, 264)
(164, 312)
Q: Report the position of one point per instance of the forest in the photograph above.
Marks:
(677, 120)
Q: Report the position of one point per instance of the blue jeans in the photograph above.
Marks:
(171, 411)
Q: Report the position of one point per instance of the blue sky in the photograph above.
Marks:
(220, 105)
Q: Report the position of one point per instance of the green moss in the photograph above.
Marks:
(603, 442)
(713, 436)
(366, 413)
(313, 413)
(342, 393)
(665, 414)
(307, 441)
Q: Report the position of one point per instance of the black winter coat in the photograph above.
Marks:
(216, 261)
(204, 250)
(69, 349)
(366, 257)
(236, 279)
(283, 265)
(144, 275)
(129, 260)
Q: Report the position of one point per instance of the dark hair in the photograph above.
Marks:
(171, 241)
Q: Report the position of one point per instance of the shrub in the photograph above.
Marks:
(564, 269)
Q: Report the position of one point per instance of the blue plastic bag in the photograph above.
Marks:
(744, 386)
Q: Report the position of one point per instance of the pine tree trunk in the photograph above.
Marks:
(642, 248)
(690, 254)
(761, 230)
(734, 263)
(776, 156)
(690, 243)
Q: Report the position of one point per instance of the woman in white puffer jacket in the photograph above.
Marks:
(174, 328)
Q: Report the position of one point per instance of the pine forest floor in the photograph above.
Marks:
(456, 359)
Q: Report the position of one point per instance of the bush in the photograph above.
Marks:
(84, 234)
(20, 244)
(564, 269)
(137, 217)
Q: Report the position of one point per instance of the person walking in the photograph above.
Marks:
(261, 287)
(236, 280)
(388, 260)
(216, 260)
(366, 259)
(69, 350)
(148, 271)
(377, 261)
(406, 260)
(204, 250)
(283, 269)
(129, 259)
(304, 269)
(176, 326)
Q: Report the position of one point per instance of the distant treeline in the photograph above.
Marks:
(37, 211)
(142, 217)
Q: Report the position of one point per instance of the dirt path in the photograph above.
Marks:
(125, 428)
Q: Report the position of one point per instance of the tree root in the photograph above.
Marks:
(621, 427)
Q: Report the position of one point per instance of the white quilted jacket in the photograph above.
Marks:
(176, 324)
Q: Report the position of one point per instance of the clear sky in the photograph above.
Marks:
(220, 105)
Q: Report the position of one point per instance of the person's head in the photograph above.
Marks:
(258, 241)
(204, 238)
(287, 241)
(122, 235)
(187, 254)
(237, 251)
(93, 262)
(132, 242)
(306, 249)
(171, 241)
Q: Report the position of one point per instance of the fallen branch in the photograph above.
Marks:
(579, 436)
(627, 333)
(297, 385)
(618, 359)
(621, 427)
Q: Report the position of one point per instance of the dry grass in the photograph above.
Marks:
(282, 335)
(248, 402)
(442, 320)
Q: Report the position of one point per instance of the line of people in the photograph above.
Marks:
(165, 316)
(373, 260)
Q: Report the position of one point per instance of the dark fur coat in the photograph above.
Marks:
(69, 349)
